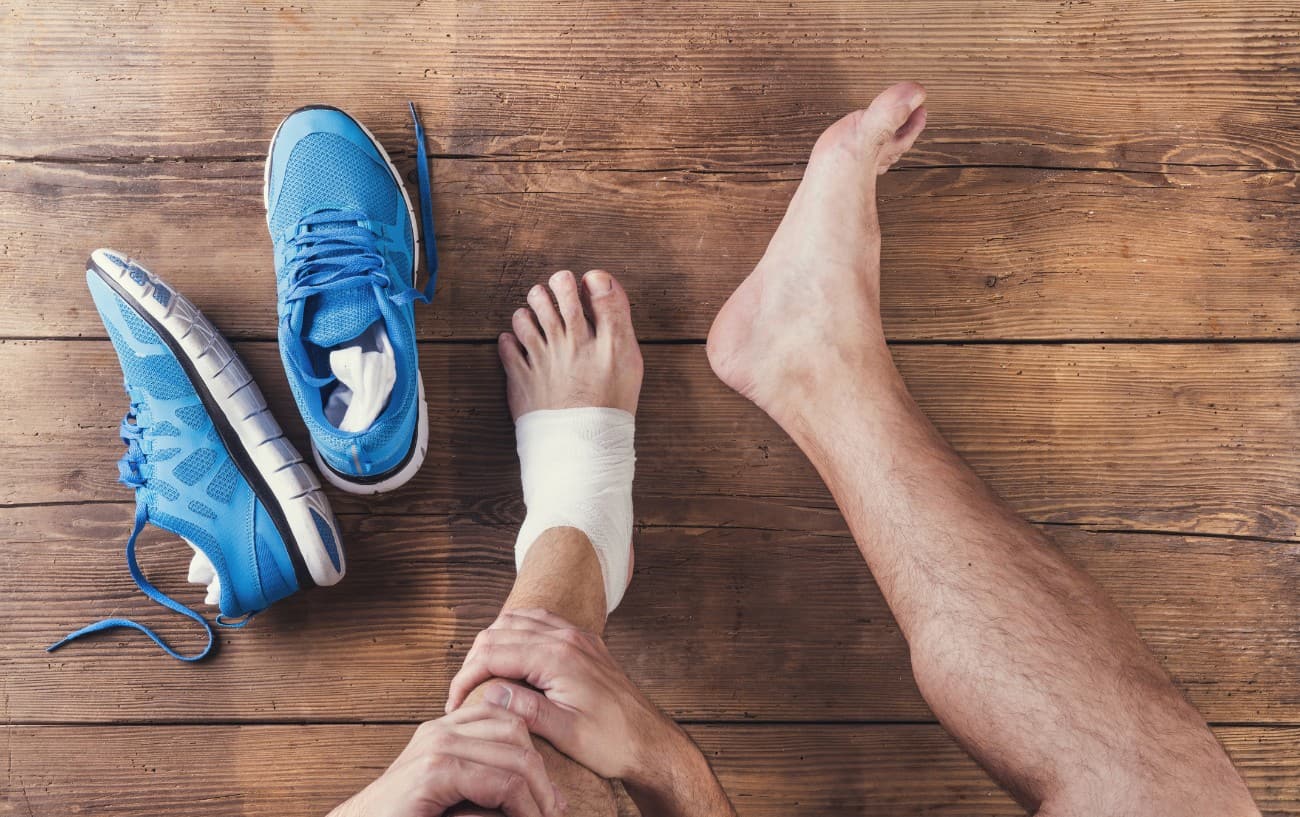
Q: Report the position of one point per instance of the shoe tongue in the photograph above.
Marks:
(334, 318)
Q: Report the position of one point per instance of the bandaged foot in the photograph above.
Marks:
(572, 379)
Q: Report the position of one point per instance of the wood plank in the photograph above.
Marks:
(1183, 438)
(719, 624)
(968, 253)
(767, 770)
(1105, 83)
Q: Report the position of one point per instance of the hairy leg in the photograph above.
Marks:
(1018, 652)
(571, 348)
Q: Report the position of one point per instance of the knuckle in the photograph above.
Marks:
(431, 762)
(519, 725)
(533, 762)
(509, 786)
(441, 742)
(427, 728)
(524, 708)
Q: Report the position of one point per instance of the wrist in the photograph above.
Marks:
(658, 747)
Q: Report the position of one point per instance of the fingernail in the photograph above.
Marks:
(560, 802)
(600, 282)
(498, 695)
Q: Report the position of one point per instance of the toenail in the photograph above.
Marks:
(558, 277)
(600, 282)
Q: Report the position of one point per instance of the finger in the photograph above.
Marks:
(500, 775)
(490, 639)
(503, 727)
(533, 660)
(468, 714)
(538, 620)
(540, 715)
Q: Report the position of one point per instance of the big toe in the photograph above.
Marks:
(610, 310)
(880, 133)
(892, 109)
(901, 118)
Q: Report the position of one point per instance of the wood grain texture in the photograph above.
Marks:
(1183, 438)
(980, 253)
(1099, 84)
(719, 624)
(768, 770)
(1092, 171)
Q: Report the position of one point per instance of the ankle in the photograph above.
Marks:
(561, 574)
(813, 393)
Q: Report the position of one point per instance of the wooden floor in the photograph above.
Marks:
(1091, 283)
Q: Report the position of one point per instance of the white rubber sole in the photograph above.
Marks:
(207, 358)
(402, 476)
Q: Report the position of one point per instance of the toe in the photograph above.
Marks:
(527, 333)
(565, 287)
(890, 111)
(512, 354)
(902, 140)
(609, 306)
(547, 318)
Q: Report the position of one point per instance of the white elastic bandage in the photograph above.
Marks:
(577, 467)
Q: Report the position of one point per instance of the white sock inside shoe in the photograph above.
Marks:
(202, 572)
(577, 466)
(367, 371)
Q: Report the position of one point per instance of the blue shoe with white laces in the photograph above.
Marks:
(206, 458)
(346, 253)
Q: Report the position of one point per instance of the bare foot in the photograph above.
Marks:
(564, 356)
(812, 305)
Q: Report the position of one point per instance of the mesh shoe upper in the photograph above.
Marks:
(345, 258)
(182, 472)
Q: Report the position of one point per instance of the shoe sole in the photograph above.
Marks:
(273, 468)
(402, 473)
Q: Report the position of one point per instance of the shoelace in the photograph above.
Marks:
(130, 473)
(343, 256)
(334, 251)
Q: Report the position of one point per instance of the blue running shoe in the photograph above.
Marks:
(346, 253)
(206, 458)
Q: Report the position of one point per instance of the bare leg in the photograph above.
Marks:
(558, 357)
(1018, 652)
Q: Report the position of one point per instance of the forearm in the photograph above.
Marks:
(677, 781)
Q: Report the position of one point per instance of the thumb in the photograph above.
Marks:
(543, 716)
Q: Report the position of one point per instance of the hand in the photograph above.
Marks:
(590, 709)
(481, 753)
